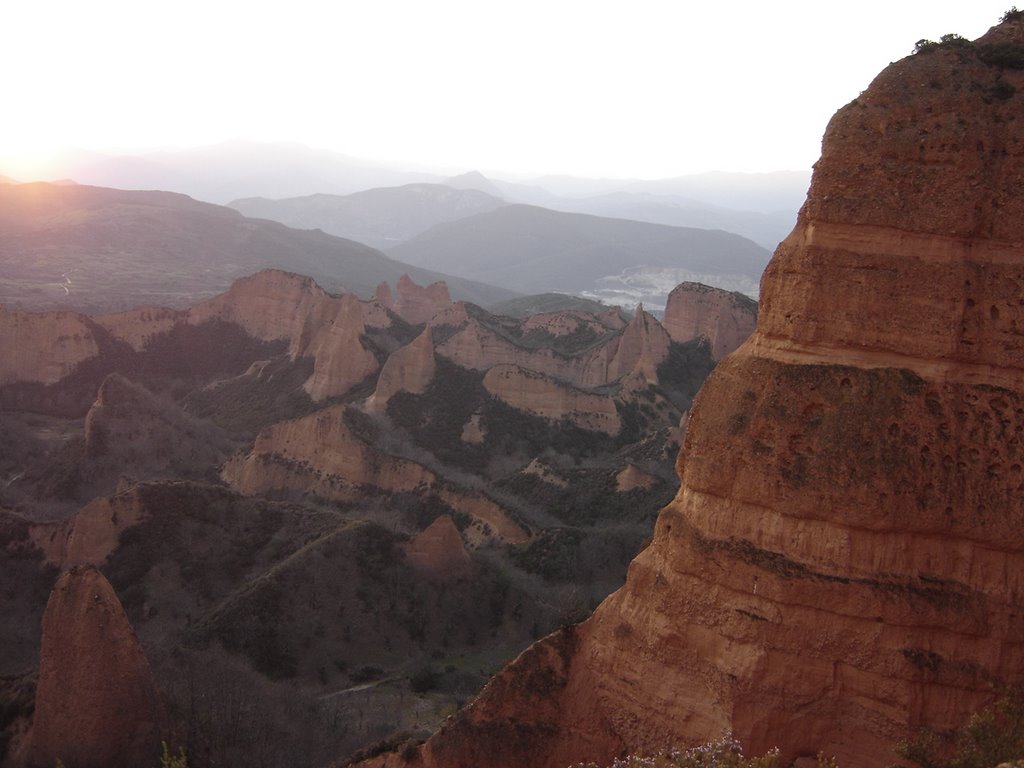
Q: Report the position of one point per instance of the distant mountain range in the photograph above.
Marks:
(384, 217)
(247, 169)
(96, 249)
(380, 217)
(534, 250)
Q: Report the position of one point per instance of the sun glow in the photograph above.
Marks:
(575, 87)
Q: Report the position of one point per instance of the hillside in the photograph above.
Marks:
(95, 249)
(328, 519)
(546, 302)
(533, 250)
(766, 229)
(377, 217)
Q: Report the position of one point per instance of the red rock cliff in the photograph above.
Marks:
(844, 561)
(96, 703)
(725, 319)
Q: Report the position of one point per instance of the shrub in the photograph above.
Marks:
(1003, 55)
(167, 760)
(423, 680)
(727, 752)
(992, 736)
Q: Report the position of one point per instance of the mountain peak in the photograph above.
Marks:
(475, 180)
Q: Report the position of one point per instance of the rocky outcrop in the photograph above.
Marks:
(43, 347)
(642, 347)
(490, 522)
(725, 319)
(137, 327)
(417, 304)
(340, 361)
(96, 702)
(632, 477)
(639, 348)
(539, 469)
(551, 399)
(320, 454)
(572, 322)
(843, 562)
(409, 369)
(439, 552)
(273, 305)
(270, 305)
(92, 534)
(382, 295)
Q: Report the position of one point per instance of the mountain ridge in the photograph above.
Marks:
(99, 249)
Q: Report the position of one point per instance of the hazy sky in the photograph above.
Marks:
(633, 88)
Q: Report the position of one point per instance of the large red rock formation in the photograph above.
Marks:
(96, 702)
(92, 534)
(408, 369)
(137, 327)
(320, 454)
(724, 318)
(273, 305)
(270, 305)
(640, 348)
(43, 346)
(844, 561)
(551, 399)
(417, 304)
(439, 552)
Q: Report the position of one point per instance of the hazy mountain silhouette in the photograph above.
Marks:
(231, 170)
(533, 250)
(773, 198)
(763, 192)
(378, 217)
(97, 249)
(765, 229)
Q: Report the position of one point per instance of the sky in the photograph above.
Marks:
(625, 89)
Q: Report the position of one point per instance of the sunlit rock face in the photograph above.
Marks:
(273, 305)
(409, 369)
(844, 561)
(96, 702)
(417, 304)
(724, 318)
(551, 399)
(43, 347)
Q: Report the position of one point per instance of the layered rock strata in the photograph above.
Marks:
(409, 369)
(724, 318)
(270, 305)
(551, 399)
(96, 702)
(640, 347)
(320, 454)
(43, 347)
(844, 561)
(273, 305)
(417, 304)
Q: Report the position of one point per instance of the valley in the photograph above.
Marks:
(334, 517)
